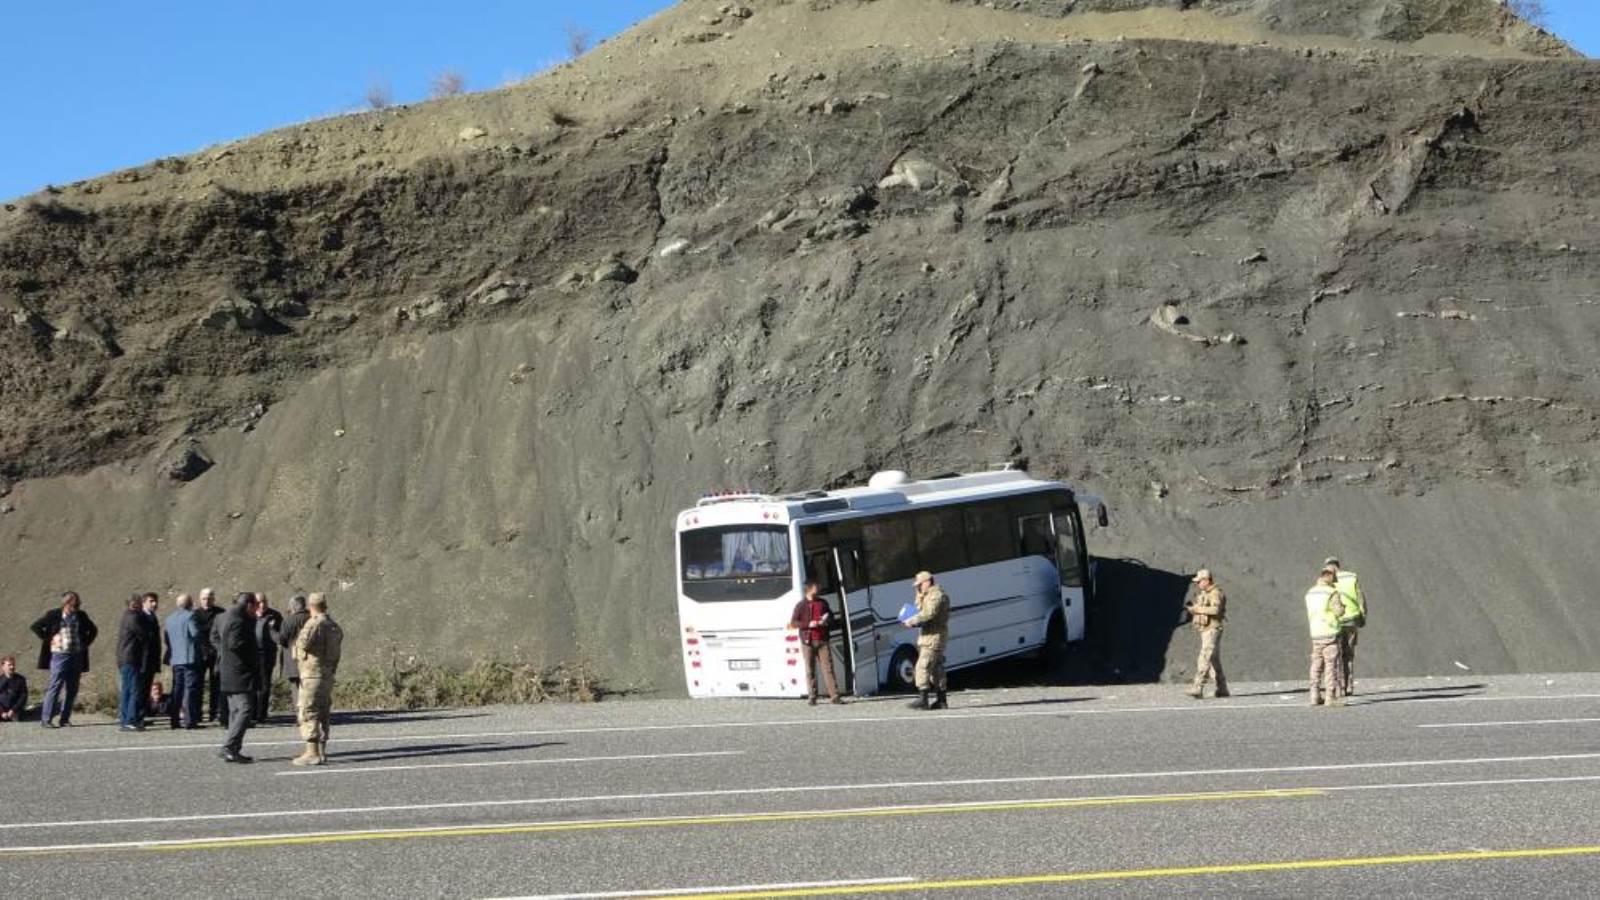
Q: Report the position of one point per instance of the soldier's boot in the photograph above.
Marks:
(920, 702)
(1195, 690)
(322, 752)
(307, 757)
(1316, 699)
(939, 702)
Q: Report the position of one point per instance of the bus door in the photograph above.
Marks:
(855, 643)
(1067, 532)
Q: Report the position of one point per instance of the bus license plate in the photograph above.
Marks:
(744, 664)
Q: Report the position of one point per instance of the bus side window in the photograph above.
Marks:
(891, 548)
(819, 568)
(1036, 539)
(989, 533)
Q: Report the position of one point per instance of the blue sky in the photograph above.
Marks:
(90, 86)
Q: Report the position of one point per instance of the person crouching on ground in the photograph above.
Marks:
(316, 651)
(13, 691)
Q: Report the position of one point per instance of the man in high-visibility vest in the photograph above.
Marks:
(1324, 609)
(1355, 607)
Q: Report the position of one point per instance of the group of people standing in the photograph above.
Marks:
(220, 658)
(1336, 610)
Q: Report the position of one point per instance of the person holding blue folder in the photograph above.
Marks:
(933, 617)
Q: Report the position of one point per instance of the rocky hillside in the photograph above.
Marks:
(1280, 278)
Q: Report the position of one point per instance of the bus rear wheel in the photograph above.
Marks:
(903, 669)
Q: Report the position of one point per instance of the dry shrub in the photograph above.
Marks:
(579, 39)
(561, 117)
(379, 95)
(1531, 11)
(449, 83)
(404, 682)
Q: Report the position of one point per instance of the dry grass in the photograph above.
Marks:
(405, 683)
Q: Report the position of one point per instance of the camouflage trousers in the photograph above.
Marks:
(930, 662)
(1327, 669)
(1347, 651)
(316, 705)
(1209, 665)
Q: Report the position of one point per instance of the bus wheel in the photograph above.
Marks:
(1054, 653)
(1055, 638)
(903, 669)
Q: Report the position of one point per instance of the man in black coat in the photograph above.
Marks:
(64, 638)
(292, 623)
(238, 664)
(205, 615)
(138, 643)
(269, 625)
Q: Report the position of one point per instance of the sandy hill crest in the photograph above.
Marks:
(1277, 277)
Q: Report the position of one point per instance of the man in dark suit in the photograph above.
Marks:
(64, 638)
(138, 639)
(269, 625)
(239, 658)
(292, 623)
(206, 667)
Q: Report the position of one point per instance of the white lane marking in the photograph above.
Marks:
(809, 723)
(448, 830)
(1484, 782)
(736, 888)
(1509, 723)
(792, 789)
(352, 770)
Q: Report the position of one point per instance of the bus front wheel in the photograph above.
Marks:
(903, 669)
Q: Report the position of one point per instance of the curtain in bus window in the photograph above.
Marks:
(1067, 561)
(735, 551)
(940, 543)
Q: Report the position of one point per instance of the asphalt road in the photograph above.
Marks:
(1446, 787)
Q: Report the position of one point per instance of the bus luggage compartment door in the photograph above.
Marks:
(858, 637)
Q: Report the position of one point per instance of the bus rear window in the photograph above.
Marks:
(735, 551)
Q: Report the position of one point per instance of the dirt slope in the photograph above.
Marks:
(1279, 284)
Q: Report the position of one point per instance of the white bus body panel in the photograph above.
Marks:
(744, 648)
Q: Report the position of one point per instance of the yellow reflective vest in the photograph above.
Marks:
(1355, 605)
(1323, 604)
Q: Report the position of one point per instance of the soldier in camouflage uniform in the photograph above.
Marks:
(316, 650)
(1207, 611)
(933, 617)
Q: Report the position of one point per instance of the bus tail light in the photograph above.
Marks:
(691, 641)
(695, 664)
(792, 638)
(792, 661)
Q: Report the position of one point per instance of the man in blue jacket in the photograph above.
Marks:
(183, 654)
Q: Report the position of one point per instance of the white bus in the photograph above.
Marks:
(1007, 548)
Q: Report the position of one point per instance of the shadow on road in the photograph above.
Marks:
(1051, 701)
(431, 750)
(399, 716)
(1131, 618)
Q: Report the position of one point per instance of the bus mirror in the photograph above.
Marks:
(1102, 516)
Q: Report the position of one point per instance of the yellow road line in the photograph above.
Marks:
(449, 831)
(1172, 872)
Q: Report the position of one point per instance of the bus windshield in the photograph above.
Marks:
(736, 562)
(735, 551)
